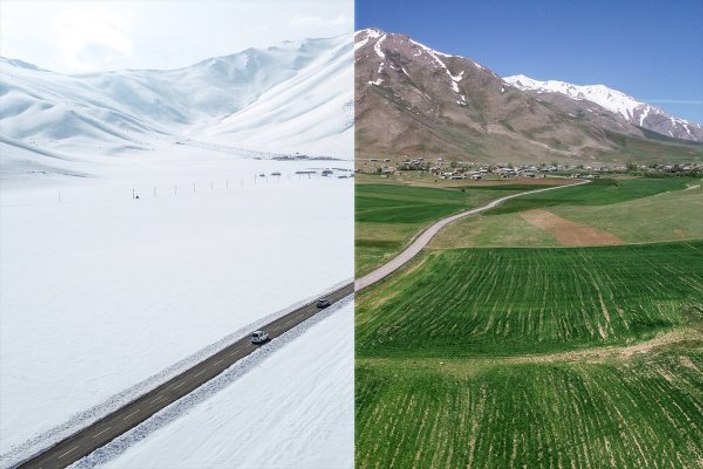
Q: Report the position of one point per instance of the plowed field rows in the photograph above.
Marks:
(640, 413)
(470, 302)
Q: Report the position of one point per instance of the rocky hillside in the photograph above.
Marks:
(411, 99)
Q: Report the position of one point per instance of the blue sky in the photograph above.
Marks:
(652, 50)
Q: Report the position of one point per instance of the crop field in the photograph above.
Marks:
(556, 357)
(527, 354)
(642, 412)
(598, 192)
(642, 217)
(389, 215)
(660, 217)
(473, 302)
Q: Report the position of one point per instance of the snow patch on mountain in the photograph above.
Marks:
(435, 56)
(617, 102)
(298, 93)
(613, 100)
(377, 47)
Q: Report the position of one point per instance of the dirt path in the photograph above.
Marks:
(567, 232)
(609, 353)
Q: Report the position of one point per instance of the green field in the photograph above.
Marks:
(598, 192)
(573, 357)
(636, 413)
(664, 212)
(478, 302)
(389, 215)
(539, 355)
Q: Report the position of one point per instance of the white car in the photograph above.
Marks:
(259, 337)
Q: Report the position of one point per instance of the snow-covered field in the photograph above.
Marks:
(104, 295)
(294, 409)
(100, 292)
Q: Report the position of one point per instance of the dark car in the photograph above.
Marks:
(323, 303)
(259, 337)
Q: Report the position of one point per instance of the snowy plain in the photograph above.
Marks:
(104, 296)
(100, 292)
(294, 409)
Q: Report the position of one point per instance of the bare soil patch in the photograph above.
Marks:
(568, 233)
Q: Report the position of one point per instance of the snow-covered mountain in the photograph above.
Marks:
(413, 100)
(293, 97)
(635, 112)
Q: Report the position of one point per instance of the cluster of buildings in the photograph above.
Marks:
(445, 169)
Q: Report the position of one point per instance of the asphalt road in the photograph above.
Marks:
(113, 425)
(421, 240)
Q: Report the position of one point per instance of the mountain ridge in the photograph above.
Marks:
(411, 99)
(112, 112)
(636, 112)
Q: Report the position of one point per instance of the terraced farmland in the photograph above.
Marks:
(389, 215)
(477, 302)
(638, 413)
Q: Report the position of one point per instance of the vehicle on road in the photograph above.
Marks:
(323, 303)
(259, 337)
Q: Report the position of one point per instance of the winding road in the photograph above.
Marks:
(106, 429)
(426, 236)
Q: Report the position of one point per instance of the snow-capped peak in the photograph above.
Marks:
(610, 99)
(617, 102)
